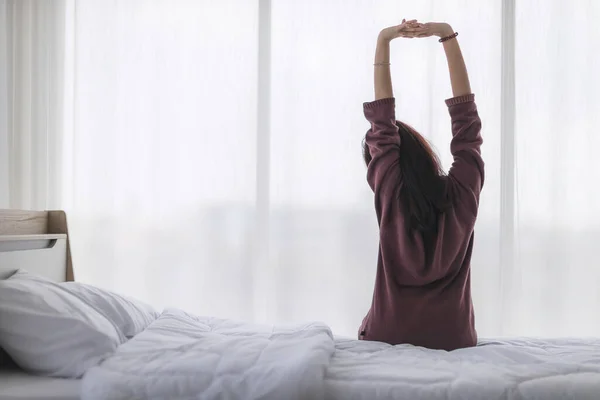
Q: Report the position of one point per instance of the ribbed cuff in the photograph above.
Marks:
(460, 99)
(380, 102)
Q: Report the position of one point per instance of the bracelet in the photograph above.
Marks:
(381, 64)
(455, 34)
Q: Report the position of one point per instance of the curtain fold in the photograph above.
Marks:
(558, 198)
(140, 117)
(31, 100)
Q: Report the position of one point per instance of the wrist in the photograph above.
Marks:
(382, 39)
(444, 30)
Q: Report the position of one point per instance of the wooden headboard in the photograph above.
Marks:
(37, 241)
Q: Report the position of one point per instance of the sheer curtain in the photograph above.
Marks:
(32, 60)
(209, 153)
(556, 272)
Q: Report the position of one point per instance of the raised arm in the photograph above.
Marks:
(468, 167)
(382, 74)
(459, 78)
(382, 139)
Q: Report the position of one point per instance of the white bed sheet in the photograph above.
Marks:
(18, 385)
(515, 369)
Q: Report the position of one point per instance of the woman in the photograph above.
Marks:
(422, 290)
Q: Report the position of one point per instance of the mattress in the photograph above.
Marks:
(495, 369)
(514, 369)
(18, 385)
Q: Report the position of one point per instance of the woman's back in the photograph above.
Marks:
(422, 289)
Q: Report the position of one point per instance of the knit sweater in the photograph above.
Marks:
(424, 299)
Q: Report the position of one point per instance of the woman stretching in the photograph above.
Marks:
(422, 290)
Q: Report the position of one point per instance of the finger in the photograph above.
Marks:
(417, 35)
(407, 26)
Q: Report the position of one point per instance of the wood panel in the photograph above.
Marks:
(28, 225)
(57, 223)
(19, 222)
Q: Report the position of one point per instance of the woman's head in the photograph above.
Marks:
(423, 191)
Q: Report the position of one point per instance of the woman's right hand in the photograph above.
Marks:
(407, 29)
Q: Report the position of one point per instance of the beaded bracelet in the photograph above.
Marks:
(455, 34)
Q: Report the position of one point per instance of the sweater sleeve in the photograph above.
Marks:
(382, 140)
(468, 166)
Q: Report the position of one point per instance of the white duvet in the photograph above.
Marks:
(518, 369)
(181, 356)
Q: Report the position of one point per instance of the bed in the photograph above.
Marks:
(180, 355)
(18, 385)
(35, 238)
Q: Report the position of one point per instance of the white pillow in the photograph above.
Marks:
(47, 330)
(130, 316)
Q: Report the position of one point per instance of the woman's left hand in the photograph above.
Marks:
(438, 29)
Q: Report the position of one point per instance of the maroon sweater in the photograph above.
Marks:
(424, 301)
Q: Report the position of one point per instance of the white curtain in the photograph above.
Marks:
(32, 57)
(557, 270)
(208, 153)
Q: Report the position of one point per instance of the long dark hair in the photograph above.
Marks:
(422, 194)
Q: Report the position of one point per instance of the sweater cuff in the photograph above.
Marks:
(380, 110)
(460, 99)
(380, 102)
